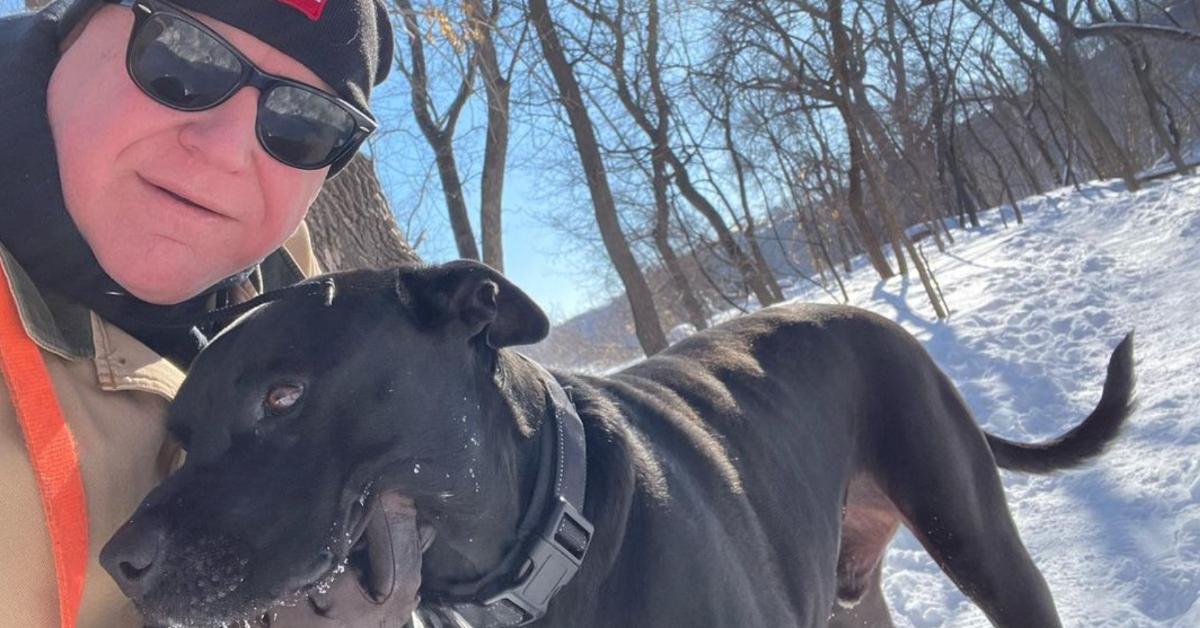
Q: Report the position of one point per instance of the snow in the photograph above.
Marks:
(1036, 310)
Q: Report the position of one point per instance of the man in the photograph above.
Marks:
(154, 157)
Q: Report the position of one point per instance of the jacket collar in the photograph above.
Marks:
(73, 332)
(56, 325)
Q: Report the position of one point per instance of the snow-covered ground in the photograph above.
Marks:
(1036, 311)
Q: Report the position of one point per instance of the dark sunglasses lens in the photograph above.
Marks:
(304, 128)
(180, 65)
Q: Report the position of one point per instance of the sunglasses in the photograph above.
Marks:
(183, 64)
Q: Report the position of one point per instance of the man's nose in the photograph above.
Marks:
(224, 136)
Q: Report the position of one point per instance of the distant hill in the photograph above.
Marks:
(603, 337)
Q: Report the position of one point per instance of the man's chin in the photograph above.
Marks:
(161, 272)
(157, 289)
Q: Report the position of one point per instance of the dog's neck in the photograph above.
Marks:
(523, 418)
(513, 416)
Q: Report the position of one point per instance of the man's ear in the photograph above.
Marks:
(477, 297)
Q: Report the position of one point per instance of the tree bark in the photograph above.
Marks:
(1035, 185)
(991, 155)
(1139, 61)
(352, 225)
(645, 317)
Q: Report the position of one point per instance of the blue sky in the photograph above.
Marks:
(533, 255)
(537, 257)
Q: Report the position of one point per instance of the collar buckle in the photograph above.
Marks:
(554, 558)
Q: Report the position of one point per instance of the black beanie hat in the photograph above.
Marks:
(348, 43)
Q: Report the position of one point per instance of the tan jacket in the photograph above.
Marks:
(113, 391)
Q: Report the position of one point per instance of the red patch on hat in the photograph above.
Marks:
(311, 8)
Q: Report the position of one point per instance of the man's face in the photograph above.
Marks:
(170, 202)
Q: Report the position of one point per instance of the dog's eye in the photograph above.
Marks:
(282, 397)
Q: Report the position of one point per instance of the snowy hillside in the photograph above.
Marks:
(1036, 311)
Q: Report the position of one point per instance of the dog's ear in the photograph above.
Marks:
(479, 298)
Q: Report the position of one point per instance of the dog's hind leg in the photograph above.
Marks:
(935, 465)
(868, 611)
(869, 522)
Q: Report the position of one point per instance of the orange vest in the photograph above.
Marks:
(52, 450)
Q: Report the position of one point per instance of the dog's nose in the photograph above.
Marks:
(133, 555)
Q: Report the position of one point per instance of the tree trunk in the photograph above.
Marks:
(741, 261)
(1000, 174)
(963, 181)
(658, 132)
(1043, 96)
(495, 150)
(645, 317)
(452, 191)
(763, 269)
(928, 281)
(352, 225)
(886, 211)
(820, 242)
(843, 74)
(696, 313)
(440, 134)
(1035, 186)
(1040, 143)
(1139, 60)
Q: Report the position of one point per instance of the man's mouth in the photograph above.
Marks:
(184, 200)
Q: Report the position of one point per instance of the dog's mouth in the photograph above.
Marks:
(369, 571)
(381, 569)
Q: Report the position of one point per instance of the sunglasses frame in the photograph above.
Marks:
(251, 75)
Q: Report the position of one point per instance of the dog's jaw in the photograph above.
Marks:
(383, 572)
(227, 603)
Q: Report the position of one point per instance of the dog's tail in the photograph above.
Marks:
(1088, 439)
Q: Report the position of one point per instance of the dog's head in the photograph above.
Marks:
(327, 436)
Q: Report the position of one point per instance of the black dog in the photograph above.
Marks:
(750, 475)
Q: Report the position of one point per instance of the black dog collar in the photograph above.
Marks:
(553, 554)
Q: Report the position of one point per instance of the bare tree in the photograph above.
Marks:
(646, 322)
(438, 128)
(1158, 110)
(656, 125)
(498, 85)
(1064, 63)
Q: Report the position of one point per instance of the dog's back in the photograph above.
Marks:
(787, 446)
